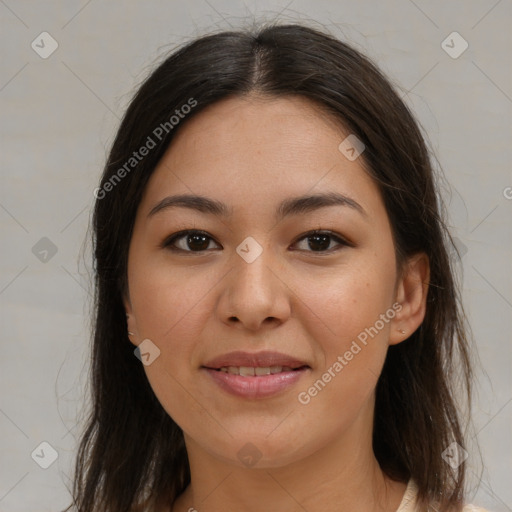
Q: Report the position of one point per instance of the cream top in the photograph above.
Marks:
(408, 503)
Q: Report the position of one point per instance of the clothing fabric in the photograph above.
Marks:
(409, 502)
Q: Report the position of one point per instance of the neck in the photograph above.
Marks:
(342, 475)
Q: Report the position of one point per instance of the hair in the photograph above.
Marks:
(131, 451)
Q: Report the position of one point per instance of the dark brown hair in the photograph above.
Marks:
(131, 450)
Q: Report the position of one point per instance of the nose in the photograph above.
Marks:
(254, 294)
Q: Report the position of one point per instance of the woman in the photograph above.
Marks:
(277, 322)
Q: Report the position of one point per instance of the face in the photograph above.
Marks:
(250, 284)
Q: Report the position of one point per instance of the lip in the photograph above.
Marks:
(255, 359)
(258, 386)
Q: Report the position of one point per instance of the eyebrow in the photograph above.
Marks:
(288, 207)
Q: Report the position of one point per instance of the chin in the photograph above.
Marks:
(258, 451)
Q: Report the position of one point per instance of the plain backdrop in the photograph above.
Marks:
(59, 116)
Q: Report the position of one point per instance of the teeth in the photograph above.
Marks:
(249, 371)
(246, 371)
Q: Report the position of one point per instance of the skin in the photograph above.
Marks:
(251, 153)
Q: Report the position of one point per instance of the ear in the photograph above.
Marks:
(131, 323)
(411, 294)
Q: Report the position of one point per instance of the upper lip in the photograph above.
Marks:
(255, 359)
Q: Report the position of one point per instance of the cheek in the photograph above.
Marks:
(348, 316)
(172, 307)
(348, 299)
(167, 300)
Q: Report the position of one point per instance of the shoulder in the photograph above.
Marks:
(473, 508)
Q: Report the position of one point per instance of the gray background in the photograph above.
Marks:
(59, 118)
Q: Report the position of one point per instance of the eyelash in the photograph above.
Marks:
(167, 243)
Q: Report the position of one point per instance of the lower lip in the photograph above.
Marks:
(261, 386)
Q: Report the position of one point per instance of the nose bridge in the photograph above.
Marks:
(253, 269)
(254, 291)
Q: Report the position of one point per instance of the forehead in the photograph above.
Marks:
(256, 126)
(255, 150)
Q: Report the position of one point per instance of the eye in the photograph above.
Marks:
(190, 240)
(193, 240)
(320, 241)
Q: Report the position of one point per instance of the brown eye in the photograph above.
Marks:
(189, 241)
(320, 241)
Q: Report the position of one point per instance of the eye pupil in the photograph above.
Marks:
(322, 240)
(203, 242)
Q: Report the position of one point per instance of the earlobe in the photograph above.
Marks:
(412, 291)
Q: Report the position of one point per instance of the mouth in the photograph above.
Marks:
(257, 371)
(265, 362)
(255, 375)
